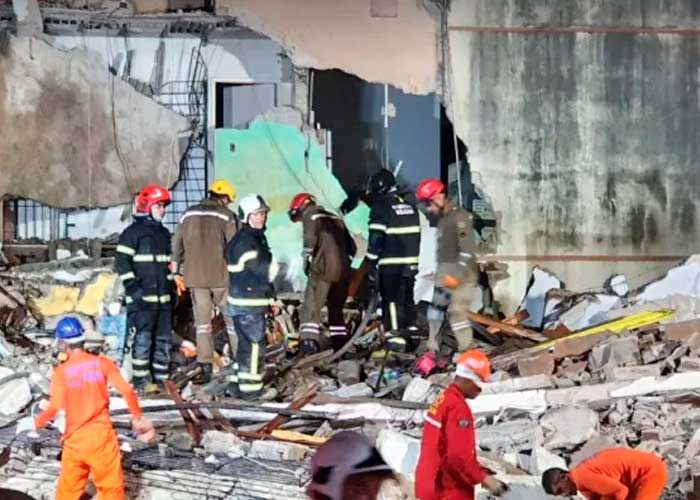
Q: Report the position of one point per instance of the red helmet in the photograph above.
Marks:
(298, 204)
(151, 195)
(429, 188)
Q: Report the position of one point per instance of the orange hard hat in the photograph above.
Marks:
(474, 365)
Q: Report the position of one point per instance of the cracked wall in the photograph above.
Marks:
(75, 136)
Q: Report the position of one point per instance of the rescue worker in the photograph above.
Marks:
(200, 242)
(142, 263)
(90, 445)
(613, 474)
(457, 282)
(394, 244)
(347, 467)
(328, 252)
(448, 468)
(251, 273)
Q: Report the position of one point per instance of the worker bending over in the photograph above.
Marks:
(142, 263)
(614, 474)
(90, 445)
(457, 282)
(251, 273)
(448, 468)
(199, 247)
(328, 252)
(394, 244)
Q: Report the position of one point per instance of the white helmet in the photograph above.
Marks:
(249, 204)
(345, 454)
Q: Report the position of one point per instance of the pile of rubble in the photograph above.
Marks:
(573, 374)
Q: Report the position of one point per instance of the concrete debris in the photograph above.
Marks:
(592, 446)
(223, 443)
(568, 426)
(398, 450)
(15, 391)
(275, 450)
(615, 352)
(513, 436)
(539, 460)
(534, 302)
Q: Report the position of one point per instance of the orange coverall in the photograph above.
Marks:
(90, 445)
(448, 468)
(621, 474)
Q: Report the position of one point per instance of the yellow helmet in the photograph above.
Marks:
(223, 187)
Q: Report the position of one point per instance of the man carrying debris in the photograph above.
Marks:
(251, 272)
(614, 474)
(200, 242)
(347, 467)
(327, 254)
(90, 445)
(448, 468)
(394, 244)
(457, 282)
(142, 263)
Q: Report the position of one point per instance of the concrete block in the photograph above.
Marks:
(15, 393)
(592, 446)
(516, 435)
(578, 346)
(614, 373)
(224, 443)
(682, 330)
(400, 451)
(354, 391)
(180, 441)
(419, 390)
(615, 352)
(568, 426)
(540, 460)
(693, 447)
(518, 384)
(571, 369)
(688, 364)
(349, 372)
(542, 364)
(277, 450)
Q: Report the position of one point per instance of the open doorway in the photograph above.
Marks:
(237, 104)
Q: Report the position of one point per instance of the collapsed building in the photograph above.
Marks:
(569, 130)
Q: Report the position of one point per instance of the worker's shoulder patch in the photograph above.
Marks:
(464, 422)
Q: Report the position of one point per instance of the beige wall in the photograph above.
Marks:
(326, 34)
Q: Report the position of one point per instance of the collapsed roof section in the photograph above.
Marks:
(74, 135)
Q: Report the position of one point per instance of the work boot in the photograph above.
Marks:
(309, 346)
(204, 376)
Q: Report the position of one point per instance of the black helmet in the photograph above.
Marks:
(382, 182)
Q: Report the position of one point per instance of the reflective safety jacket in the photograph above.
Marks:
(251, 271)
(142, 263)
(448, 467)
(394, 232)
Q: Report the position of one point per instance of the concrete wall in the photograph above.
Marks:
(585, 143)
(326, 34)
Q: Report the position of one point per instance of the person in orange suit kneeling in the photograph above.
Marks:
(90, 445)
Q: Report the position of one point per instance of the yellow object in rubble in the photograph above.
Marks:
(615, 326)
(298, 437)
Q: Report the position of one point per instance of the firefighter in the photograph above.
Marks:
(394, 243)
(457, 282)
(142, 263)
(448, 468)
(327, 254)
(251, 273)
(615, 474)
(200, 242)
(347, 467)
(90, 445)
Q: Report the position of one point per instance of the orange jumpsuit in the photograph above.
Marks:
(448, 468)
(90, 445)
(621, 474)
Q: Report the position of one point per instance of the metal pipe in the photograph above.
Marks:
(311, 415)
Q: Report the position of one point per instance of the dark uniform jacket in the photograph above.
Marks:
(142, 263)
(328, 244)
(394, 232)
(200, 242)
(251, 271)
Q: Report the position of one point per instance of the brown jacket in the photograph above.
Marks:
(328, 244)
(456, 248)
(199, 244)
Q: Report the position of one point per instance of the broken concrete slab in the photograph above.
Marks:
(539, 460)
(349, 372)
(590, 310)
(614, 352)
(592, 446)
(184, 442)
(15, 391)
(681, 330)
(129, 139)
(277, 450)
(542, 364)
(518, 384)
(568, 426)
(617, 373)
(419, 390)
(400, 451)
(512, 436)
(534, 302)
(224, 443)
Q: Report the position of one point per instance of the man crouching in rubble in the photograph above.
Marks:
(614, 474)
(448, 468)
(328, 250)
(90, 445)
(457, 281)
(251, 272)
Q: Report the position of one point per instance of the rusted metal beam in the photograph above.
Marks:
(222, 405)
(622, 30)
(221, 421)
(581, 258)
(186, 416)
(297, 404)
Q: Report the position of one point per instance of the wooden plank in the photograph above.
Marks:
(186, 416)
(514, 320)
(504, 327)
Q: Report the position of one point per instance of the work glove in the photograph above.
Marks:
(309, 346)
(144, 428)
(180, 287)
(495, 487)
